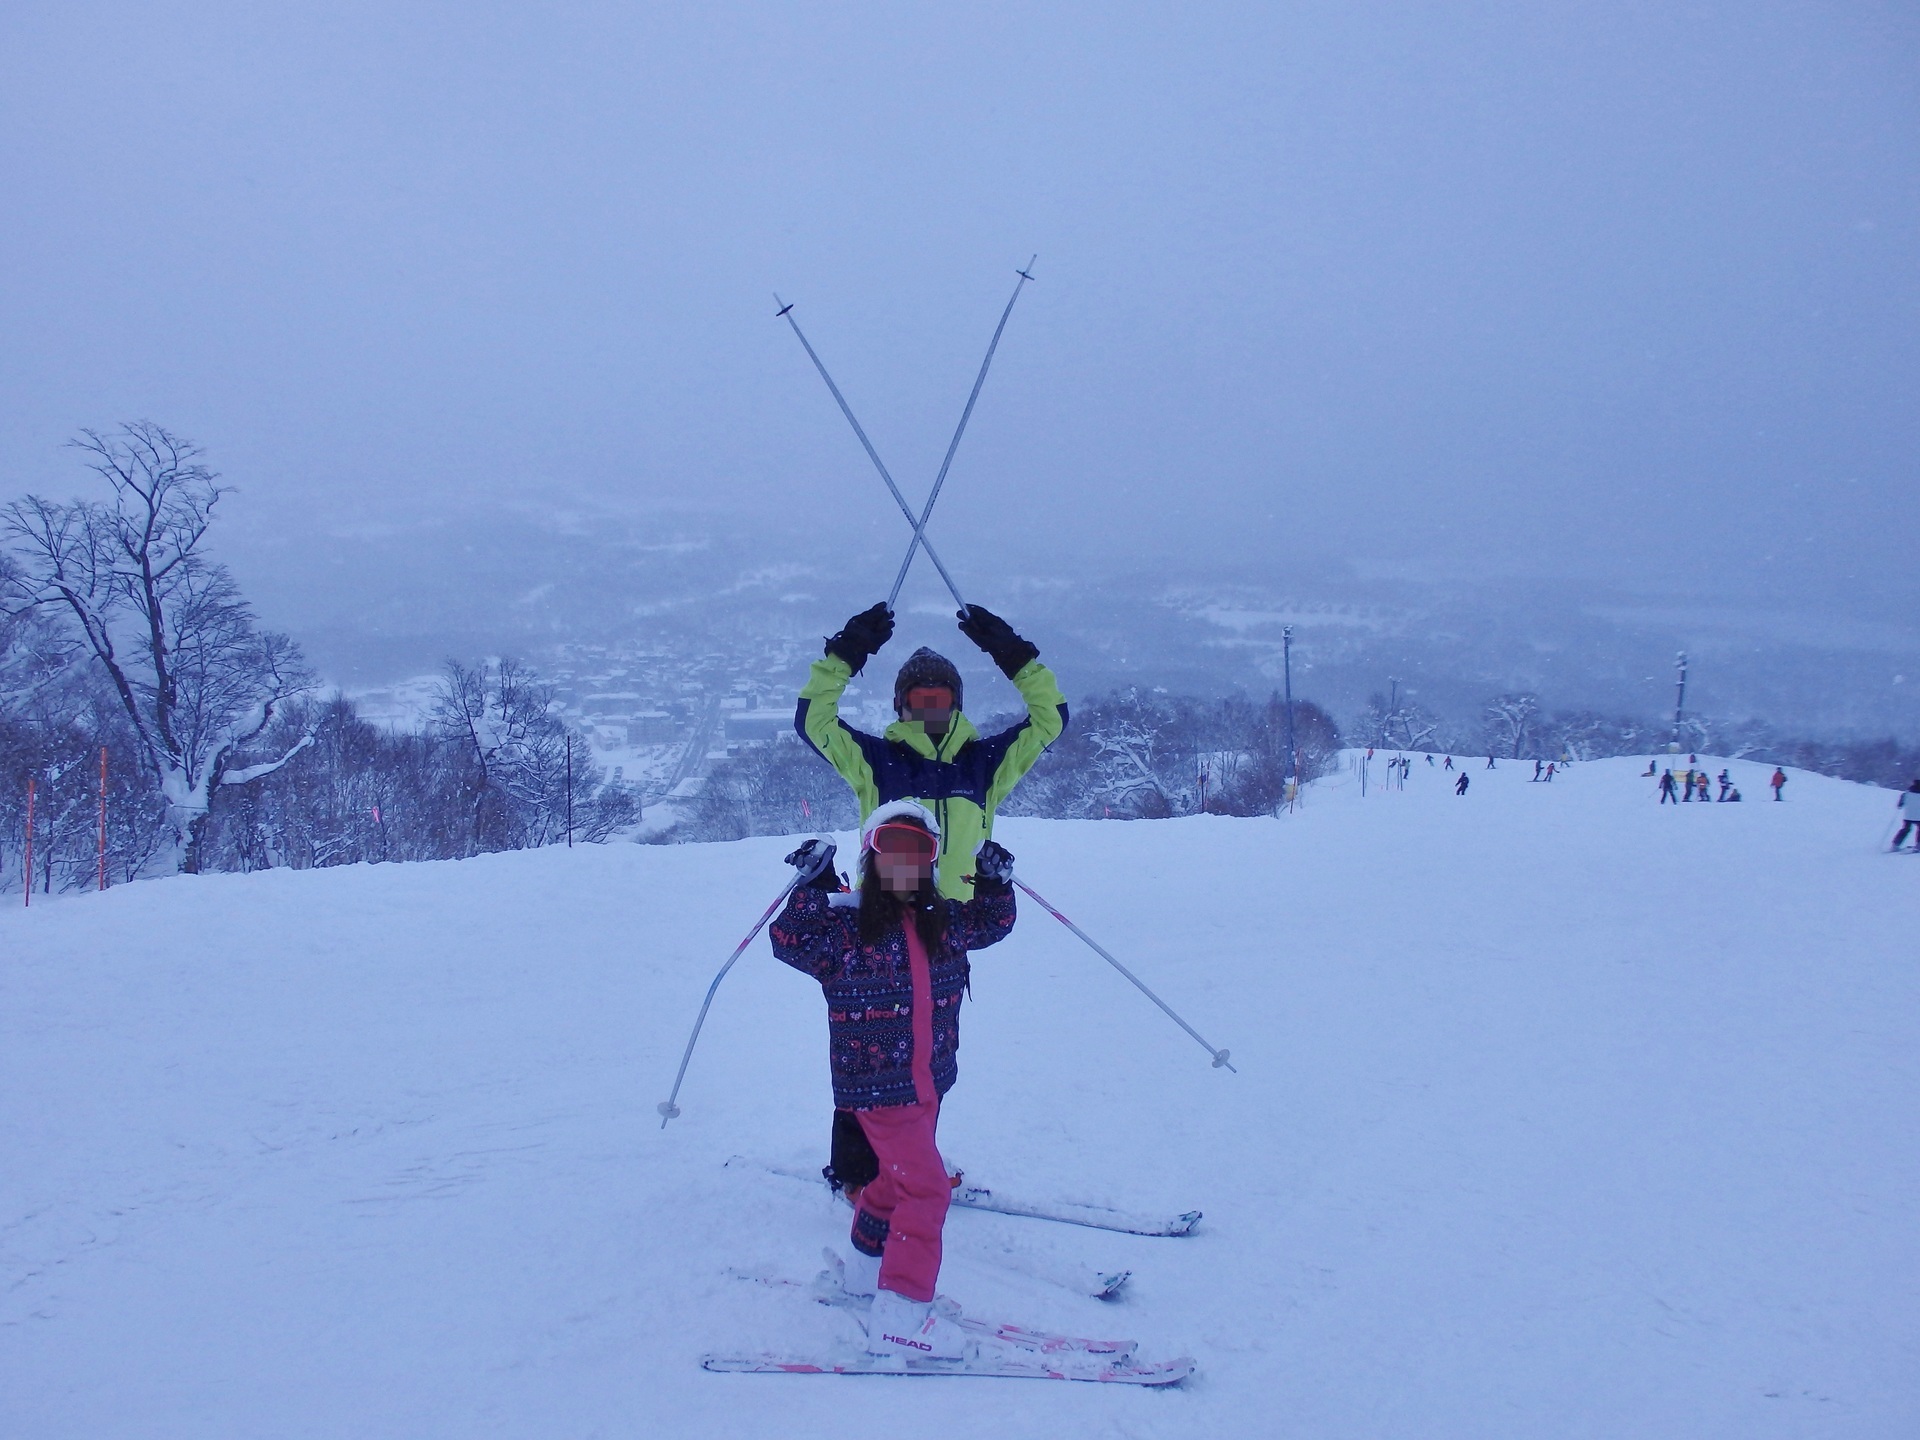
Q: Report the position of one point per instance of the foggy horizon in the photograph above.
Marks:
(1616, 306)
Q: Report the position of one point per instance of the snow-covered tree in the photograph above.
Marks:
(196, 677)
(512, 743)
(1398, 724)
(1511, 724)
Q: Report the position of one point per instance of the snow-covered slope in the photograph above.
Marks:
(1558, 1114)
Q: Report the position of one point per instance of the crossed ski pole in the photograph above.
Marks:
(1219, 1056)
(667, 1108)
(919, 524)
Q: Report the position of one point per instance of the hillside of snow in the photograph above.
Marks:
(1558, 1113)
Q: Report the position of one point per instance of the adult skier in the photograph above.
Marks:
(931, 754)
(1460, 785)
(1667, 787)
(892, 960)
(1778, 781)
(1909, 807)
(1726, 782)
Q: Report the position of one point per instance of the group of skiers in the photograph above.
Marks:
(891, 952)
(1693, 784)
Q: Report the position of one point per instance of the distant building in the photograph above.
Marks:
(652, 727)
(610, 705)
(748, 727)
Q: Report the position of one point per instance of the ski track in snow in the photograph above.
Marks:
(1559, 1114)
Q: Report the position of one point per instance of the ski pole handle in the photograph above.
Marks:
(668, 1110)
(1219, 1056)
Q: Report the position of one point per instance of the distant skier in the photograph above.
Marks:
(892, 959)
(1779, 781)
(1726, 783)
(1667, 788)
(1449, 764)
(1700, 785)
(1429, 759)
(1489, 762)
(1686, 785)
(1536, 768)
(1909, 807)
(1460, 785)
(1652, 765)
(1549, 775)
(931, 754)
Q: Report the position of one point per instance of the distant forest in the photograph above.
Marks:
(146, 716)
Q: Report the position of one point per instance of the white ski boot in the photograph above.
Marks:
(903, 1329)
(860, 1274)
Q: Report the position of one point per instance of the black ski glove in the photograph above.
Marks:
(861, 636)
(996, 637)
(992, 866)
(813, 863)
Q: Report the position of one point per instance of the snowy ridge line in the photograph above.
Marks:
(1065, 1212)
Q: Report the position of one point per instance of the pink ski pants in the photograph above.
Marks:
(907, 1201)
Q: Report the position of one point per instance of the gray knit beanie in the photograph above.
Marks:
(925, 668)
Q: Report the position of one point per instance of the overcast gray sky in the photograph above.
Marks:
(1622, 292)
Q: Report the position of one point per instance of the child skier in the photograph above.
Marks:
(892, 959)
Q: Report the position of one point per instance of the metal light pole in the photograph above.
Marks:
(1679, 697)
(569, 790)
(1286, 652)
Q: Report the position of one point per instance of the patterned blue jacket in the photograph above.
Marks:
(869, 989)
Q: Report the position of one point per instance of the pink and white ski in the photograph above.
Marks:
(828, 1289)
(1016, 1365)
(994, 1348)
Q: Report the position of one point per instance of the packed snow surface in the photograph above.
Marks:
(1558, 1113)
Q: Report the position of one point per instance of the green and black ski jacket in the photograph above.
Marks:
(962, 779)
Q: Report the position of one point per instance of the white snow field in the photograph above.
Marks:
(1559, 1114)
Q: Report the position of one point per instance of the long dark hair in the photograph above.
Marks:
(880, 908)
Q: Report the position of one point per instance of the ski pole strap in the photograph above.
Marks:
(1219, 1056)
(668, 1110)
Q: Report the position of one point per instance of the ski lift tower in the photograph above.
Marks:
(1679, 700)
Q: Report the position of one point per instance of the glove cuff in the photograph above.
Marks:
(842, 648)
(1012, 659)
